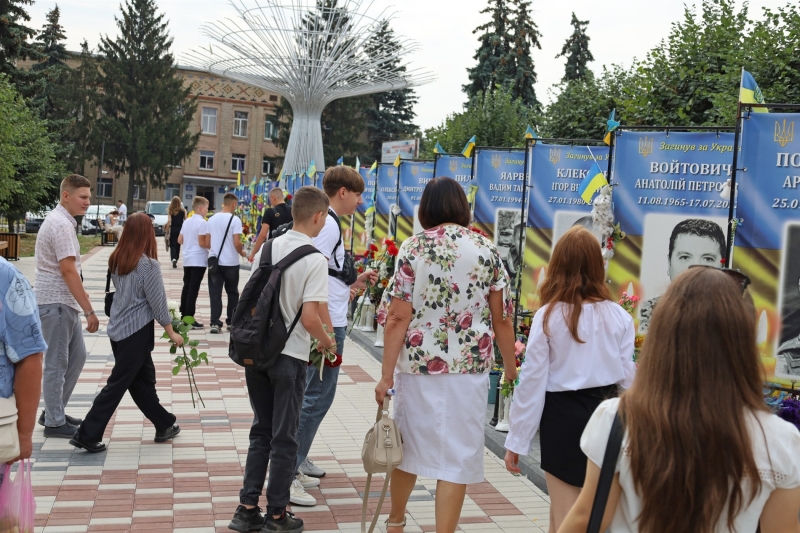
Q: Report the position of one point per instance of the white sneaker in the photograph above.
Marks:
(299, 496)
(502, 426)
(308, 482)
(310, 469)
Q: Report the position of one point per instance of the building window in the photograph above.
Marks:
(209, 123)
(206, 160)
(269, 129)
(171, 190)
(105, 187)
(238, 162)
(239, 124)
(267, 166)
(140, 191)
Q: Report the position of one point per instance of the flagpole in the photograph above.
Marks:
(732, 200)
(611, 146)
(397, 200)
(524, 222)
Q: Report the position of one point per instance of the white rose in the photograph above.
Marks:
(172, 305)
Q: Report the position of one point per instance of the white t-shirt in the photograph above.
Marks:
(558, 363)
(123, 212)
(216, 228)
(304, 281)
(339, 293)
(776, 458)
(194, 255)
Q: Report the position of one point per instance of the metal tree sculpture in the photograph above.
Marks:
(311, 52)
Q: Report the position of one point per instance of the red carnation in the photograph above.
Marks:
(392, 250)
(723, 260)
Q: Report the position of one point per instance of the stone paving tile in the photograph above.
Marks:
(192, 483)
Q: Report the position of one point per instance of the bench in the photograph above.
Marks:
(4, 248)
(106, 237)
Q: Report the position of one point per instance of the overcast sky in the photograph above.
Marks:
(620, 31)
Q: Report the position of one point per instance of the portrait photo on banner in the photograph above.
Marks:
(564, 220)
(671, 244)
(788, 353)
(508, 228)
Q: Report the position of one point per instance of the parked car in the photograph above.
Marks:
(89, 223)
(33, 221)
(158, 212)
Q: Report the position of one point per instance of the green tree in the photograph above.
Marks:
(493, 58)
(28, 164)
(496, 118)
(522, 75)
(576, 50)
(15, 37)
(146, 109)
(391, 115)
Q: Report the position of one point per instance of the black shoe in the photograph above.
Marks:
(69, 419)
(197, 325)
(245, 520)
(65, 431)
(286, 524)
(91, 447)
(174, 263)
(166, 434)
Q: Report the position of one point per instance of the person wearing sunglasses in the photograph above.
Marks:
(701, 450)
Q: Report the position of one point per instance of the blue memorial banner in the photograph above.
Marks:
(500, 178)
(456, 167)
(555, 204)
(414, 175)
(386, 197)
(767, 243)
(361, 238)
(666, 191)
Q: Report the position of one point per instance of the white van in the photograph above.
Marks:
(158, 212)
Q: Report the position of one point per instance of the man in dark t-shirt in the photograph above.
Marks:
(277, 215)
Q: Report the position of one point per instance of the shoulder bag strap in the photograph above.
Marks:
(606, 475)
(108, 280)
(339, 242)
(286, 262)
(387, 481)
(221, 246)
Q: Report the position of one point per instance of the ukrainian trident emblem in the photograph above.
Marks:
(784, 136)
(453, 165)
(497, 160)
(555, 155)
(415, 170)
(645, 146)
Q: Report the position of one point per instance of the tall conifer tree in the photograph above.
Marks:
(146, 107)
(493, 66)
(576, 50)
(15, 44)
(525, 36)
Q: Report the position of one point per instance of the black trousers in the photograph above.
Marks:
(133, 372)
(174, 247)
(192, 279)
(276, 398)
(227, 276)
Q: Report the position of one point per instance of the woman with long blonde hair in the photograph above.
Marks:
(580, 351)
(175, 217)
(701, 452)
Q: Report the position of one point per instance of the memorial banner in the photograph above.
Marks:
(456, 167)
(386, 200)
(767, 244)
(554, 205)
(500, 177)
(361, 237)
(414, 175)
(667, 200)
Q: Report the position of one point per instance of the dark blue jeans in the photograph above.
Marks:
(318, 399)
(276, 397)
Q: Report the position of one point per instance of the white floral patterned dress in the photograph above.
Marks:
(441, 378)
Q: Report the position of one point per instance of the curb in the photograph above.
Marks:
(494, 440)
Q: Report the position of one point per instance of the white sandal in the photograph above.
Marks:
(403, 524)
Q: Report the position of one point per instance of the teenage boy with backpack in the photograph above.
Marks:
(276, 394)
(343, 186)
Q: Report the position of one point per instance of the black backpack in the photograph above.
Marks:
(347, 273)
(258, 332)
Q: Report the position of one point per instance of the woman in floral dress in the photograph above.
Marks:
(447, 302)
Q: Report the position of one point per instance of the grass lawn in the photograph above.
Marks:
(27, 243)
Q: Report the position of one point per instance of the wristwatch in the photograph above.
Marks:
(90, 313)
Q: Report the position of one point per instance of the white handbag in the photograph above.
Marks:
(381, 452)
(9, 436)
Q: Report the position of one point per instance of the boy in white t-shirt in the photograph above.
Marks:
(196, 242)
(277, 395)
(225, 230)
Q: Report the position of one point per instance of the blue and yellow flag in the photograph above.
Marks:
(467, 151)
(749, 93)
(530, 134)
(374, 168)
(593, 182)
(312, 169)
(239, 178)
(253, 185)
(397, 161)
(471, 193)
(340, 161)
(438, 149)
(611, 125)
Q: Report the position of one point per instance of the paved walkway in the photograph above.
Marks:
(192, 483)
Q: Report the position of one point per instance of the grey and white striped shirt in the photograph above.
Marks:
(140, 298)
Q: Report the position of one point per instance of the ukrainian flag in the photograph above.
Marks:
(467, 152)
(312, 169)
(238, 178)
(397, 161)
(471, 193)
(340, 161)
(593, 182)
(374, 168)
(530, 134)
(749, 93)
(611, 125)
(438, 149)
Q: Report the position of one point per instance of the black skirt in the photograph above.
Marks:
(564, 418)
